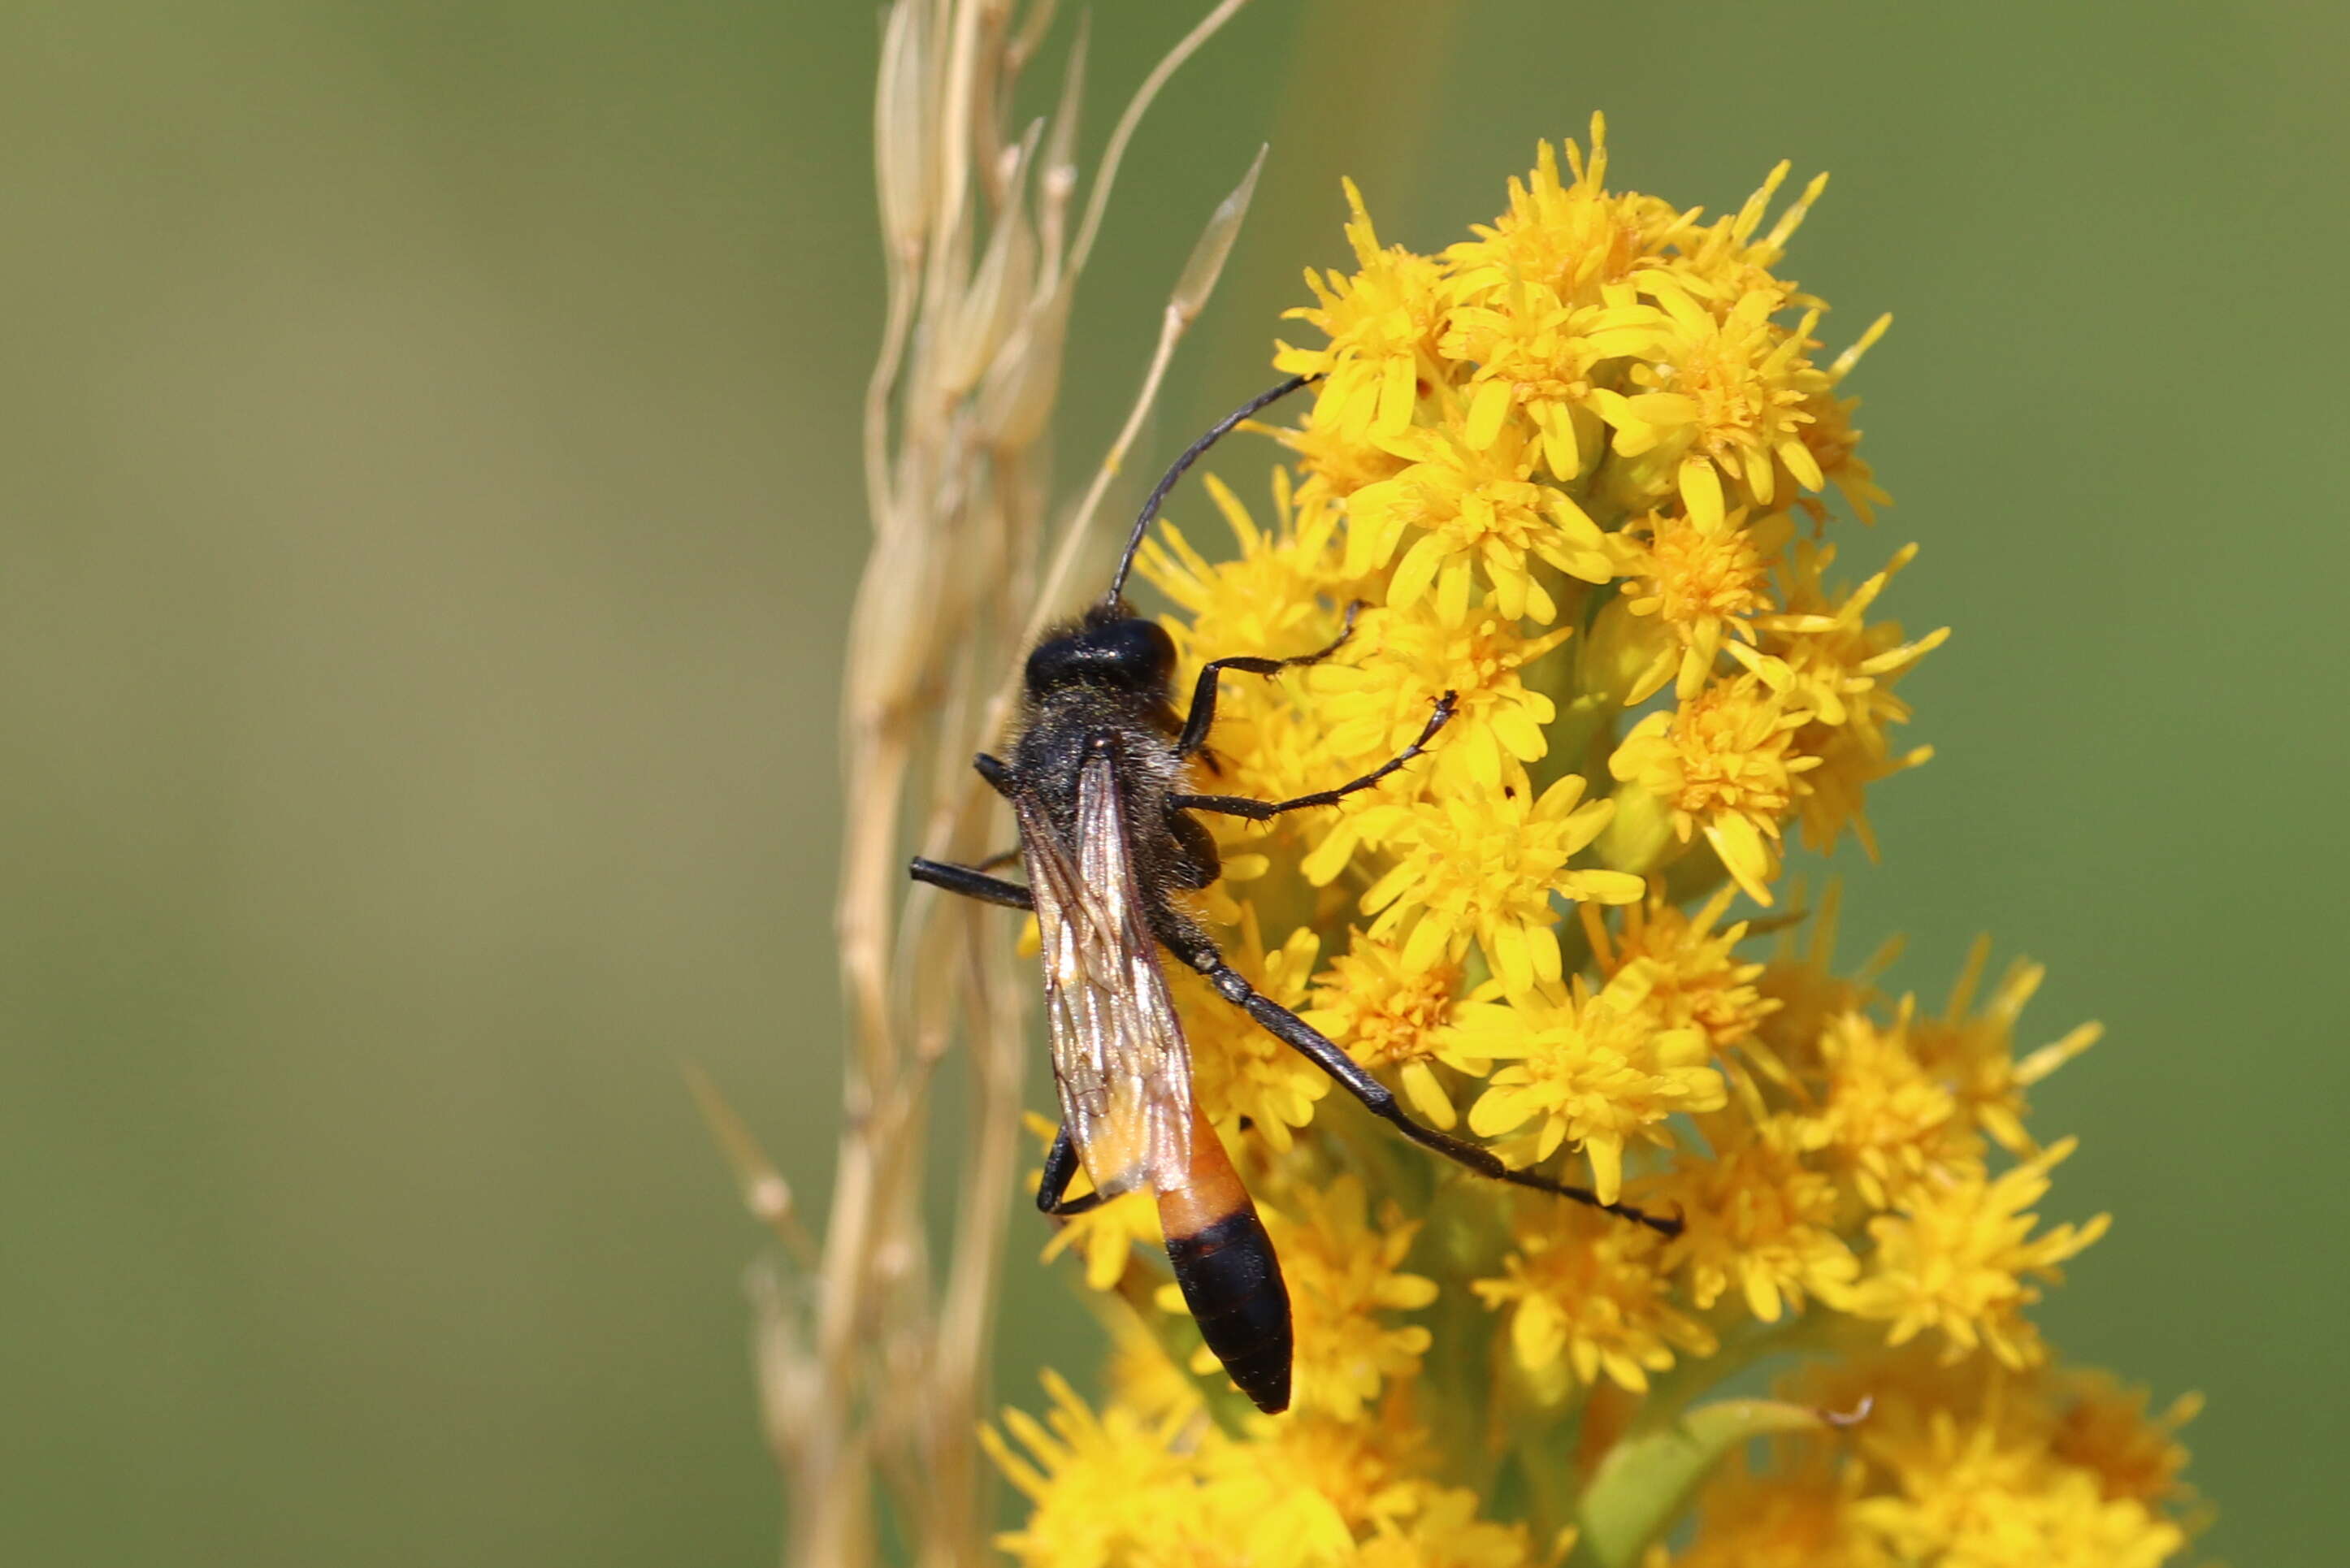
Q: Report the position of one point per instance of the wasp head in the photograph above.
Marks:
(1110, 647)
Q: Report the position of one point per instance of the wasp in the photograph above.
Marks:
(1099, 783)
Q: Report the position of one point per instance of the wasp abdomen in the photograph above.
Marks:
(1233, 1288)
(1225, 1263)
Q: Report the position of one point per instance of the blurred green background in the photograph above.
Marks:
(429, 529)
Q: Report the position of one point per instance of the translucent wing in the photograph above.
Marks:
(1119, 1058)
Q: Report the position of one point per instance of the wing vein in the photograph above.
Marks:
(1120, 1062)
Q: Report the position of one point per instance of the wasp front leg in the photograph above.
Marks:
(1203, 715)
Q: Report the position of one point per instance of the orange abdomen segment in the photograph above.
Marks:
(1225, 1263)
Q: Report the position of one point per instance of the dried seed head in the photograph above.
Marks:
(903, 143)
(1214, 245)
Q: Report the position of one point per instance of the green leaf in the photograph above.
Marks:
(1647, 1480)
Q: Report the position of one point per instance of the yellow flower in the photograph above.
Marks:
(1379, 321)
(1723, 762)
(1365, 1466)
(1975, 1056)
(1101, 1485)
(1447, 1533)
(1570, 237)
(1971, 1499)
(1267, 599)
(1834, 439)
(1105, 1235)
(1334, 464)
(1343, 1273)
(1827, 657)
(1696, 581)
(1145, 1381)
(1725, 403)
(1798, 1516)
(1821, 655)
(1478, 511)
(1478, 868)
(1957, 1256)
(2103, 1426)
(1586, 1298)
(1388, 1016)
(1725, 261)
(1675, 967)
(1378, 699)
(1974, 1463)
(1585, 1067)
(1758, 1219)
(1886, 1124)
(1805, 988)
(1536, 354)
(1280, 596)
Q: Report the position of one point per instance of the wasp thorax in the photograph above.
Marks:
(1106, 649)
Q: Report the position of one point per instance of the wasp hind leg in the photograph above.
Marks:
(1060, 1165)
(1378, 1100)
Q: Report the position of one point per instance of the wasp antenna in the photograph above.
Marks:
(1192, 454)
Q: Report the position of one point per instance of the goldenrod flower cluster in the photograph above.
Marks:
(1578, 469)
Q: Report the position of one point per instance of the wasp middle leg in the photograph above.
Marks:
(972, 882)
(1264, 810)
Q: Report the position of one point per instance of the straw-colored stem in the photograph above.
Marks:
(885, 1379)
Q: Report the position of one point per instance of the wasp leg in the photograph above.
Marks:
(1379, 1100)
(995, 771)
(972, 883)
(1195, 862)
(1261, 810)
(1203, 695)
(1060, 1164)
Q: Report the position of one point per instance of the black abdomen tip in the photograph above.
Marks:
(1233, 1286)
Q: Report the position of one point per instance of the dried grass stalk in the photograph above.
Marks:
(868, 1369)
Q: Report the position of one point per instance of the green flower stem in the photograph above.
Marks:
(1648, 1478)
(1794, 1334)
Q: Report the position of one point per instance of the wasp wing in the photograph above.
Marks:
(1119, 1059)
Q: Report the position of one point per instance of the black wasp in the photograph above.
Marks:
(1099, 780)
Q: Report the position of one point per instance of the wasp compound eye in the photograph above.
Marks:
(1130, 653)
